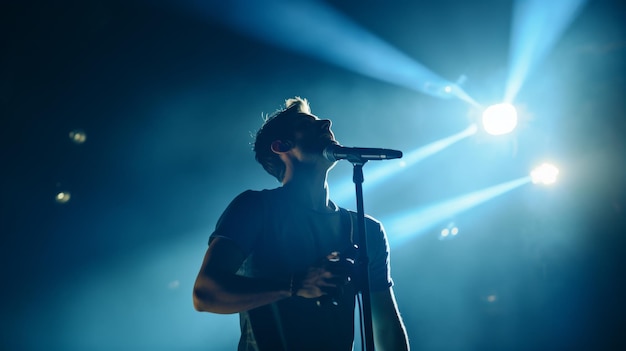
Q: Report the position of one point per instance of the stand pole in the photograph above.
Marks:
(362, 258)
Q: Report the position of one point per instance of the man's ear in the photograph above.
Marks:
(279, 146)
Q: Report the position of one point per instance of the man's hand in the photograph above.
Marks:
(324, 278)
(316, 282)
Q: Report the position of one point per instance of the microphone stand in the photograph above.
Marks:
(362, 258)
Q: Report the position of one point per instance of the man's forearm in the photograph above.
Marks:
(233, 294)
(392, 338)
(389, 331)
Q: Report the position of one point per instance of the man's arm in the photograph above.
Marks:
(389, 331)
(219, 290)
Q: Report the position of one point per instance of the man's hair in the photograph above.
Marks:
(278, 126)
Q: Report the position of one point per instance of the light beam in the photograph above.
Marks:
(317, 30)
(376, 173)
(405, 226)
(536, 27)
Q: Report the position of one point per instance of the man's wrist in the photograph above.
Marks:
(295, 283)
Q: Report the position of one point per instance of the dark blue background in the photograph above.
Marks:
(168, 99)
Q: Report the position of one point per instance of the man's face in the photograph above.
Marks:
(311, 134)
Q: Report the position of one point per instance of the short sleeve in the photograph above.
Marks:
(242, 221)
(378, 252)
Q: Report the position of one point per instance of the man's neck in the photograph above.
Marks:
(310, 190)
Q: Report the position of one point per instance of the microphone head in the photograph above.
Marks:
(329, 152)
(394, 154)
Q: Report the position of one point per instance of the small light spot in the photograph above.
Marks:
(492, 298)
(78, 136)
(174, 284)
(63, 197)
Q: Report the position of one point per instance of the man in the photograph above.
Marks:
(282, 258)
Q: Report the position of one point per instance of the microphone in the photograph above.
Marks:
(359, 154)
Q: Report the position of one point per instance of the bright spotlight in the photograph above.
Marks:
(499, 119)
(545, 174)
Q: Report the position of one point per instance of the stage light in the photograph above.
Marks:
(499, 119)
(545, 174)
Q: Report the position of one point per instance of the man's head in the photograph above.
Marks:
(287, 128)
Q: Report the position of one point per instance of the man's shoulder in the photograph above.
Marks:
(369, 220)
(251, 194)
(249, 199)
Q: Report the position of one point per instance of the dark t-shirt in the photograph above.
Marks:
(280, 238)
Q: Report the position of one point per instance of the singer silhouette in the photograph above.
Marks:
(281, 258)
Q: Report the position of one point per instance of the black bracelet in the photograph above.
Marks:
(292, 289)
